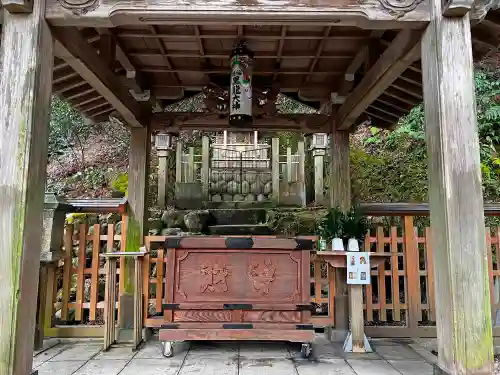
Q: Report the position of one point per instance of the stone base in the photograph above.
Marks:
(124, 335)
(188, 195)
(439, 371)
(338, 335)
(126, 311)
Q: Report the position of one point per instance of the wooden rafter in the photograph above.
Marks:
(77, 52)
(75, 94)
(92, 97)
(403, 51)
(408, 88)
(319, 50)
(132, 80)
(399, 96)
(279, 52)
(164, 52)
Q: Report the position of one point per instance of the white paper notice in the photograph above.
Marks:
(358, 268)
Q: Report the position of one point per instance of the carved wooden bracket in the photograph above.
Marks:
(399, 8)
(79, 7)
(456, 8)
(18, 6)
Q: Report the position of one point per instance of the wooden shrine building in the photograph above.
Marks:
(352, 61)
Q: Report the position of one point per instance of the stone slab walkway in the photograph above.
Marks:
(236, 358)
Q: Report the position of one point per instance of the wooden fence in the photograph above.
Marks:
(398, 303)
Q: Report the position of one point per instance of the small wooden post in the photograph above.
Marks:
(178, 161)
(110, 296)
(138, 300)
(340, 196)
(205, 165)
(26, 59)
(275, 169)
(109, 304)
(463, 308)
(301, 178)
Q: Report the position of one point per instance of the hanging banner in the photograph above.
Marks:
(358, 268)
(240, 91)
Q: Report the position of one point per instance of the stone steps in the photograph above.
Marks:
(240, 229)
(238, 216)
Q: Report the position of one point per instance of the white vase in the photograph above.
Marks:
(338, 244)
(353, 245)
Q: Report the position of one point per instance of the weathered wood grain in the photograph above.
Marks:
(25, 85)
(463, 307)
(368, 14)
(340, 196)
(138, 182)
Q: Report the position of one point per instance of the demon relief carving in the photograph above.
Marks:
(262, 276)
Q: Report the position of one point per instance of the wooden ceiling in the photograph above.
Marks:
(314, 64)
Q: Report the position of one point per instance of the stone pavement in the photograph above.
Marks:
(237, 358)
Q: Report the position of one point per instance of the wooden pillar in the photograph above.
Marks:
(463, 305)
(205, 166)
(25, 90)
(162, 177)
(275, 169)
(340, 196)
(138, 178)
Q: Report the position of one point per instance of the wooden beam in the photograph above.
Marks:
(74, 49)
(402, 52)
(463, 305)
(168, 122)
(26, 60)
(159, 69)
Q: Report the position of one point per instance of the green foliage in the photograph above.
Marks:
(332, 224)
(392, 166)
(67, 129)
(345, 225)
(120, 183)
(295, 222)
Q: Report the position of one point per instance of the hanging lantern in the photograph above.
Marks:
(240, 98)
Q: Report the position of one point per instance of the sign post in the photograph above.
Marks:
(358, 274)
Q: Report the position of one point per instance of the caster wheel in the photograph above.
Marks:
(168, 349)
(306, 350)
